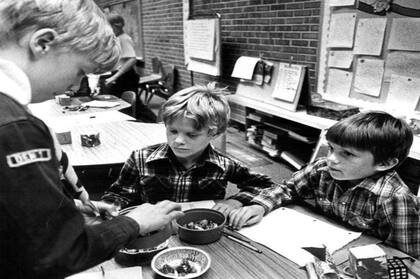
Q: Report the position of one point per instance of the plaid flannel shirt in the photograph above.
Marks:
(381, 205)
(153, 174)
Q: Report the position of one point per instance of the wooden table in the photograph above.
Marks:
(232, 260)
(118, 140)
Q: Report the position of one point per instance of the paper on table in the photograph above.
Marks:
(342, 27)
(369, 36)
(286, 231)
(368, 78)
(86, 119)
(197, 204)
(244, 67)
(340, 58)
(403, 92)
(100, 104)
(121, 273)
(405, 34)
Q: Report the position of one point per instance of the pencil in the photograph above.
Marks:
(243, 243)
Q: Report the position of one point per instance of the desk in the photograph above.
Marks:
(232, 260)
(147, 80)
(118, 140)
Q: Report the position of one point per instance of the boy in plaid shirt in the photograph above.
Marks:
(356, 182)
(187, 167)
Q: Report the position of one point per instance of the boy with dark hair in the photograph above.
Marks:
(356, 182)
(187, 167)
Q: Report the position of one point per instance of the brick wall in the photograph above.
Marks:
(275, 29)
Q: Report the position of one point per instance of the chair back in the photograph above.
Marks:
(156, 65)
(130, 97)
(168, 78)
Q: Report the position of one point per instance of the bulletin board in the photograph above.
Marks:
(369, 53)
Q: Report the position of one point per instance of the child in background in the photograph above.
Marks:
(356, 182)
(187, 167)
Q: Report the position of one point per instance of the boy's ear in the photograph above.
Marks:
(386, 165)
(42, 40)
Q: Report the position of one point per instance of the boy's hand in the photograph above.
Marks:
(246, 216)
(153, 217)
(226, 206)
(87, 205)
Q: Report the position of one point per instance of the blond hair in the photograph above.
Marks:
(80, 25)
(206, 106)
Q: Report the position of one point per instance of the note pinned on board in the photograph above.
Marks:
(368, 78)
(404, 34)
(289, 82)
(342, 28)
(403, 92)
(244, 67)
(340, 58)
(370, 36)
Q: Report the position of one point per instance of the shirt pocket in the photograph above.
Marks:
(156, 188)
(209, 189)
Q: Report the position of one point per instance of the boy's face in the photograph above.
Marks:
(55, 72)
(186, 142)
(347, 163)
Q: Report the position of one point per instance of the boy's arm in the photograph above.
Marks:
(259, 189)
(399, 223)
(124, 189)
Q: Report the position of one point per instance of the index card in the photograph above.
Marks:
(370, 36)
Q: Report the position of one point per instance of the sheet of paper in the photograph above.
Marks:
(201, 38)
(244, 67)
(121, 273)
(403, 92)
(338, 3)
(197, 204)
(86, 119)
(368, 78)
(402, 63)
(287, 84)
(340, 58)
(339, 83)
(100, 104)
(342, 27)
(370, 36)
(405, 34)
(286, 230)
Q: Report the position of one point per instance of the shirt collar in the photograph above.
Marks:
(14, 82)
(163, 152)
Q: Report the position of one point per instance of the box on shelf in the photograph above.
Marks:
(331, 110)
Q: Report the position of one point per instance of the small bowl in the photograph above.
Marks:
(167, 263)
(206, 236)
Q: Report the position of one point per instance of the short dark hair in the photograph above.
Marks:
(385, 136)
(116, 19)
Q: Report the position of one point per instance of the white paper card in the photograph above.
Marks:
(368, 79)
(403, 92)
(244, 67)
(286, 231)
(340, 58)
(342, 27)
(370, 36)
(405, 34)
